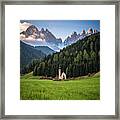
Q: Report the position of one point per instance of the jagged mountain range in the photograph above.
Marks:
(35, 37)
(75, 37)
(43, 36)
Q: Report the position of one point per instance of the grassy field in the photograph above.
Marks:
(82, 88)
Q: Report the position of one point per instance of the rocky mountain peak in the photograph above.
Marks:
(83, 32)
(95, 31)
(42, 29)
(90, 30)
(47, 30)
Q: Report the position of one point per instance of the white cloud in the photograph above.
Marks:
(31, 37)
(24, 26)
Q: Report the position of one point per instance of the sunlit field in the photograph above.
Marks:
(80, 88)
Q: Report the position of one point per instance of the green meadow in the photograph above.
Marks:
(80, 88)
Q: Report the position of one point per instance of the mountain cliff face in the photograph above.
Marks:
(73, 38)
(31, 31)
(50, 38)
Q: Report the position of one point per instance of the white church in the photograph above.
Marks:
(61, 75)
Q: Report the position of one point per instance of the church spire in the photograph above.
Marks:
(59, 71)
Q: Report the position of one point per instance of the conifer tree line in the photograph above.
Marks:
(78, 59)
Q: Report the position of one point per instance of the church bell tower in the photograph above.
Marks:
(59, 71)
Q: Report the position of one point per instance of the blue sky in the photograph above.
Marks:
(64, 28)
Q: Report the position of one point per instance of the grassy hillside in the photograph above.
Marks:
(28, 53)
(45, 49)
(82, 88)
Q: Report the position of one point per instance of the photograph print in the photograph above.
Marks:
(59, 59)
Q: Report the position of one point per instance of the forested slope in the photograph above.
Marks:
(78, 59)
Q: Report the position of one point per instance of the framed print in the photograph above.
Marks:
(60, 60)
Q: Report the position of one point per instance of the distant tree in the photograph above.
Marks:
(35, 71)
(55, 57)
(91, 46)
(78, 58)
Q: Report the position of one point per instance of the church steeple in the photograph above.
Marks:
(59, 71)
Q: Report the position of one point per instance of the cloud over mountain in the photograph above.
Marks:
(24, 26)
